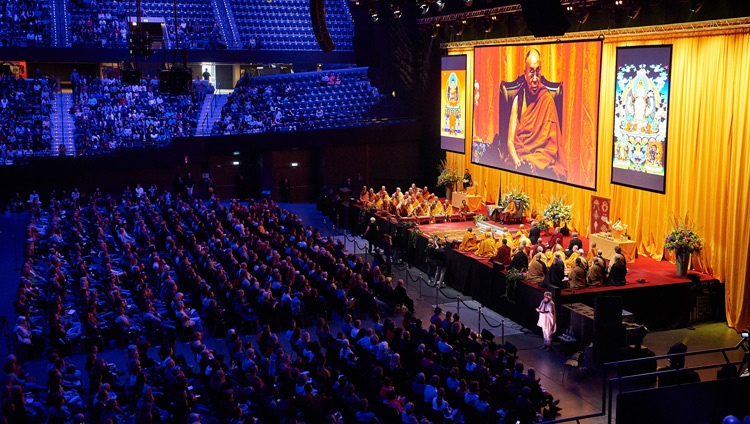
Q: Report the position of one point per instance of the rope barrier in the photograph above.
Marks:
(446, 296)
(467, 306)
(502, 324)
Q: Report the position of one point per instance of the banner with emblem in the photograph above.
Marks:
(599, 214)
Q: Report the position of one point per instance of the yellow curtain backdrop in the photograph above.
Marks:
(707, 159)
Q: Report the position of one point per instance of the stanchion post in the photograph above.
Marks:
(502, 338)
(420, 284)
(437, 293)
(458, 304)
(479, 320)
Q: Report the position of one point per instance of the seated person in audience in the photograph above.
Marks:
(577, 276)
(537, 269)
(469, 241)
(486, 247)
(596, 274)
(502, 254)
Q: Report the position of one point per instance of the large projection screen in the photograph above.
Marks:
(536, 108)
(453, 104)
(642, 82)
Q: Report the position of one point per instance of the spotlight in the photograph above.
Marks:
(635, 12)
(460, 27)
(569, 8)
(488, 23)
(374, 14)
(396, 12)
(695, 6)
(424, 8)
(468, 3)
(435, 30)
(618, 2)
(440, 5)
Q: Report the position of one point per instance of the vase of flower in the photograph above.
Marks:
(684, 241)
(682, 261)
(449, 192)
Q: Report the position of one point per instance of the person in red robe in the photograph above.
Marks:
(534, 133)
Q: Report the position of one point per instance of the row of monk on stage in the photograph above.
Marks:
(539, 258)
(415, 202)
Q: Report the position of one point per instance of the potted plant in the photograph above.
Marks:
(447, 178)
(480, 217)
(512, 277)
(558, 212)
(683, 240)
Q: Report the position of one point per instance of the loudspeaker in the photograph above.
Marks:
(320, 28)
(607, 310)
(131, 76)
(175, 81)
(545, 18)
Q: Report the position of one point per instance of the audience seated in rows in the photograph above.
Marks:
(297, 102)
(95, 25)
(25, 23)
(110, 114)
(25, 108)
(153, 268)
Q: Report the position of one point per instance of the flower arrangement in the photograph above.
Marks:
(515, 193)
(541, 224)
(511, 282)
(557, 211)
(480, 217)
(447, 177)
(684, 237)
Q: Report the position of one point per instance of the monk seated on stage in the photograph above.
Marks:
(571, 260)
(465, 211)
(577, 276)
(469, 242)
(509, 212)
(486, 248)
(503, 253)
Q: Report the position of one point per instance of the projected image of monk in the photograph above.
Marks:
(534, 127)
(536, 108)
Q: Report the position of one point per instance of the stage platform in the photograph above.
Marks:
(661, 301)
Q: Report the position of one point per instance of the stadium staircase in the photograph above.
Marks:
(63, 125)
(211, 111)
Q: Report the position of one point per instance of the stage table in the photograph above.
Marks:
(474, 201)
(607, 246)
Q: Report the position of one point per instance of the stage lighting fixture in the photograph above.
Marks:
(618, 2)
(424, 8)
(695, 6)
(460, 27)
(396, 12)
(488, 23)
(468, 3)
(569, 8)
(440, 5)
(374, 14)
(435, 30)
